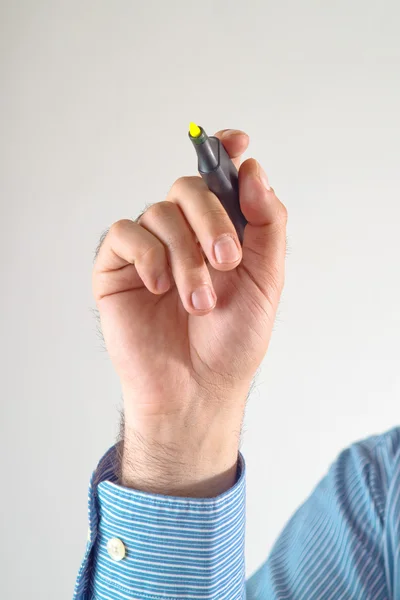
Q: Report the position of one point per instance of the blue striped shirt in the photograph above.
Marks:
(343, 543)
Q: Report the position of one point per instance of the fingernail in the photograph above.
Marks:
(226, 250)
(229, 132)
(163, 282)
(264, 179)
(203, 298)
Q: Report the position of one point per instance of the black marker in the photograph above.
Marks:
(219, 173)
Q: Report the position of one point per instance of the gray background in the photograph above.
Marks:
(86, 87)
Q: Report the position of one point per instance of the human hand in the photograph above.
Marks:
(185, 373)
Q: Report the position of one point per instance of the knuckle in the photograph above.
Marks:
(160, 210)
(193, 261)
(279, 221)
(217, 212)
(119, 226)
(282, 213)
(152, 254)
(219, 221)
(182, 183)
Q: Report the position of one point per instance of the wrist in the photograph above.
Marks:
(175, 462)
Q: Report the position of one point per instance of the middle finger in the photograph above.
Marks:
(190, 273)
(209, 220)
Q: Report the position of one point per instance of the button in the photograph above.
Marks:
(116, 549)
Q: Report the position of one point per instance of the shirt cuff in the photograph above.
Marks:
(165, 547)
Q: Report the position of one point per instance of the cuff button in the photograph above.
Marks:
(116, 549)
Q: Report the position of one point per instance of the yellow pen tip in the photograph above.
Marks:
(194, 130)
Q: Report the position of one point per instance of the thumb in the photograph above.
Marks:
(264, 241)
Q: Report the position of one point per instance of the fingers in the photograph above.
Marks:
(174, 236)
(144, 253)
(235, 143)
(264, 243)
(209, 220)
(172, 239)
(129, 257)
(167, 223)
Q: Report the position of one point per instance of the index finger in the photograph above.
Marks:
(235, 143)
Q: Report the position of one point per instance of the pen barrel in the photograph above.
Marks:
(223, 181)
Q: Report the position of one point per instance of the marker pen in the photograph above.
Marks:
(219, 173)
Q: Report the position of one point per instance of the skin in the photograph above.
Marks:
(186, 373)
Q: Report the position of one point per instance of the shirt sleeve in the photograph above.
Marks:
(334, 548)
(144, 546)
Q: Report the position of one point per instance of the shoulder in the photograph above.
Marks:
(366, 470)
(380, 451)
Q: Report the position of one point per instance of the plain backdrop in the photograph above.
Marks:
(96, 97)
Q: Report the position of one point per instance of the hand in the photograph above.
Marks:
(186, 372)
